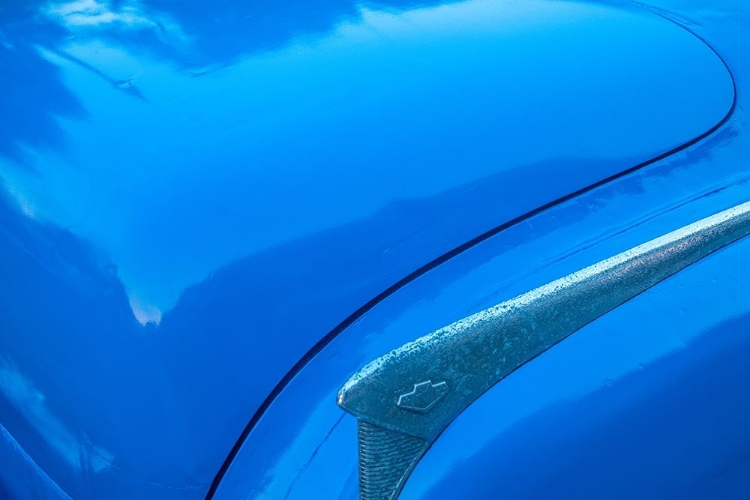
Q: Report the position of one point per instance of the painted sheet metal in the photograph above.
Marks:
(195, 194)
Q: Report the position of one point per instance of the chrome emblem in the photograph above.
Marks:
(423, 397)
(497, 341)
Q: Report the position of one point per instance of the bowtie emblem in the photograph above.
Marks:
(423, 397)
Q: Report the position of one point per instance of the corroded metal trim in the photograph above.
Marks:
(395, 397)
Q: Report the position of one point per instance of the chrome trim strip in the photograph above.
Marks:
(416, 390)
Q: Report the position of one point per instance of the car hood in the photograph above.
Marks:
(196, 196)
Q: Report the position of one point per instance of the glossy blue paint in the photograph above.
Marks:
(641, 405)
(647, 402)
(194, 195)
(20, 477)
(302, 443)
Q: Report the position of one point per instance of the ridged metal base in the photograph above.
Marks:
(385, 459)
(419, 388)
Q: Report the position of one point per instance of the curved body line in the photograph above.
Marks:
(473, 354)
(420, 271)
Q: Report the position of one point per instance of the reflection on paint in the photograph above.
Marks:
(77, 451)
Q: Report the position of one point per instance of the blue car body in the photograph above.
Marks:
(212, 214)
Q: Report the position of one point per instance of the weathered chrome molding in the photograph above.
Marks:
(406, 398)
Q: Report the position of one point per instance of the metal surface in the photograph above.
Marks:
(171, 256)
(164, 204)
(423, 397)
(475, 353)
(638, 404)
(383, 457)
(637, 360)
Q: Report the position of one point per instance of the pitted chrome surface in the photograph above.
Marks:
(473, 354)
(383, 457)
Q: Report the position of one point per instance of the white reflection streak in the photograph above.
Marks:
(93, 13)
(30, 402)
